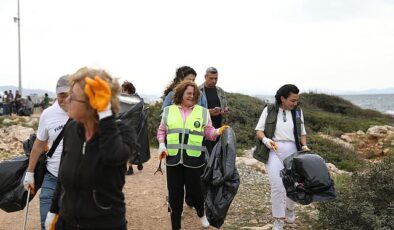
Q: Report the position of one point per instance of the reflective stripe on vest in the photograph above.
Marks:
(191, 129)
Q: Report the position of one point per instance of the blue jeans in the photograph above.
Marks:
(47, 189)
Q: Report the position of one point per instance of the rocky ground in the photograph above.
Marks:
(145, 194)
(146, 208)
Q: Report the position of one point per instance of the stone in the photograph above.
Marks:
(346, 138)
(360, 132)
(252, 163)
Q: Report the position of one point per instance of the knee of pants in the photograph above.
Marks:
(277, 187)
(46, 194)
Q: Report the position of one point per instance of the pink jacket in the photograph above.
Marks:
(210, 132)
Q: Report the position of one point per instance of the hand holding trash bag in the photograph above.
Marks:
(221, 129)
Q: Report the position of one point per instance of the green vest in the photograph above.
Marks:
(185, 138)
(261, 152)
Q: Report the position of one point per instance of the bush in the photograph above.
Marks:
(332, 114)
(244, 114)
(366, 203)
(153, 123)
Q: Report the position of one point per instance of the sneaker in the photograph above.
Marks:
(290, 216)
(204, 221)
(278, 224)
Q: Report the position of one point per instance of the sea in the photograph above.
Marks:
(381, 102)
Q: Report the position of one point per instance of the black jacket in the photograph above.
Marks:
(92, 175)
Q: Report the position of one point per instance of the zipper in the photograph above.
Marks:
(83, 148)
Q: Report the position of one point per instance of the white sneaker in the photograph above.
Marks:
(278, 224)
(290, 216)
(204, 221)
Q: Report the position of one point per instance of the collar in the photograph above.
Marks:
(182, 107)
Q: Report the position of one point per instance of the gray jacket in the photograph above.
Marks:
(221, 95)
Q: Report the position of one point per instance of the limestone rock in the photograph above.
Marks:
(346, 138)
(251, 162)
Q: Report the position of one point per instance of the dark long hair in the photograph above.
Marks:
(285, 91)
(180, 74)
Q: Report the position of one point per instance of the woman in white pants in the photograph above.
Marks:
(281, 129)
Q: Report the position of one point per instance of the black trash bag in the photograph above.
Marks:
(28, 144)
(220, 180)
(306, 178)
(12, 193)
(40, 168)
(135, 114)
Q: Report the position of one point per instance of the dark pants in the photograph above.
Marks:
(179, 177)
(62, 225)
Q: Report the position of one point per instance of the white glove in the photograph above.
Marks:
(270, 143)
(50, 221)
(28, 181)
(305, 148)
(162, 148)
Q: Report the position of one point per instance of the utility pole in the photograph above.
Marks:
(18, 21)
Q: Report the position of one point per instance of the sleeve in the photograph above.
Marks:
(210, 131)
(115, 141)
(42, 131)
(303, 130)
(224, 98)
(203, 101)
(161, 131)
(261, 123)
(167, 100)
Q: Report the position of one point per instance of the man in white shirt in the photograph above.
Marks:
(51, 123)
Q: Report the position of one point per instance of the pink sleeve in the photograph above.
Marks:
(161, 132)
(210, 131)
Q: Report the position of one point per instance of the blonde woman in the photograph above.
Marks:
(96, 150)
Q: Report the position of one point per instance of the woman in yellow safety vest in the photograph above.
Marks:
(180, 134)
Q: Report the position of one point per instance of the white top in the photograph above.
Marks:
(51, 123)
(284, 129)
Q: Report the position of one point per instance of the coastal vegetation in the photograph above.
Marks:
(323, 113)
(364, 198)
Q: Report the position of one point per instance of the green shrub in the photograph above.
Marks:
(332, 114)
(323, 113)
(367, 202)
(153, 123)
(332, 152)
(244, 113)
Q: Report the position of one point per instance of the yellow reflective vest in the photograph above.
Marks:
(185, 138)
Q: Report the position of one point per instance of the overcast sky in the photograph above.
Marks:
(257, 46)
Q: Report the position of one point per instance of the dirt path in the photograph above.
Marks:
(145, 204)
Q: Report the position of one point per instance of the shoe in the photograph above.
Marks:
(290, 216)
(278, 224)
(204, 221)
(130, 171)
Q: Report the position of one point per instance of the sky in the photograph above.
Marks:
(257, 46)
